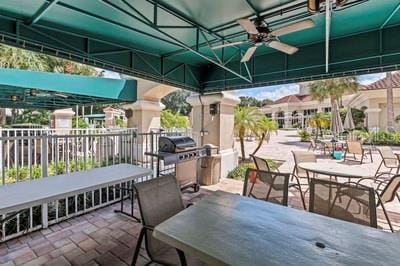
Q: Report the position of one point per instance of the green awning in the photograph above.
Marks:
(168, 41)
(31, 89)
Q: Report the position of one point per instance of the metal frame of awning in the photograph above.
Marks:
(190, 63)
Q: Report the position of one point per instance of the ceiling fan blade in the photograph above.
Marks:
(227, 45)
(283, 47)
(249, 53)
(248, 26)
(302, 25)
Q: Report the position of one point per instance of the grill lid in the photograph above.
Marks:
(175, 143)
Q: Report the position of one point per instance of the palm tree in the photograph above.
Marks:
(263, 130)
(389, 95)
(246, 118)
(319, 121)
(333, 89)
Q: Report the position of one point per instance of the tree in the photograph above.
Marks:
(252, 101)
(173, 120)
(246, 119)
(389, 96)
(358, 116)
(40, 117)
(81, 122)
(319, 121)
(263, 130)
(333, 89)
(176, 102)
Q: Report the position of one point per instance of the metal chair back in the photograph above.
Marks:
(354, 147)
(388, 157)
(346, 201)
(302, 157)
(261, 164)
(159, 199)
(390, 191)
(266, 185)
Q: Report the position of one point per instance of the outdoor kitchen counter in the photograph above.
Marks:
(228, 229)
(21, 195)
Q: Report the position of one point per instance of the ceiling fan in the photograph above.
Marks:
(259, 34)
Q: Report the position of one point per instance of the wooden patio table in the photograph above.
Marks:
(229, 229)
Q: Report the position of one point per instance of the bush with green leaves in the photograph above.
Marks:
(239, 172)
(304, 136)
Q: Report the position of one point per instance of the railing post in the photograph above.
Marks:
(44, 154)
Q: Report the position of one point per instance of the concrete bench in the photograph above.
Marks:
(18, 196)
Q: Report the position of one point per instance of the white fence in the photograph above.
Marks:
(28, 154)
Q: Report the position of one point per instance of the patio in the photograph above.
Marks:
(103, 237)
(170, 45)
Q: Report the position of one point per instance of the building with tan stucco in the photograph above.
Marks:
(298, 108)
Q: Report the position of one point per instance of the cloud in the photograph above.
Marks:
(270, 92)
(370, 78)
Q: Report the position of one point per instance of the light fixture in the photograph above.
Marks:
(33, 92)
(313, 6)
(340, 2)
(14, 98)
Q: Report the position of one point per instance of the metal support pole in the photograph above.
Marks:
(44, 154)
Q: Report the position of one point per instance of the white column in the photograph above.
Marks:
(216, 129)
(373, 117)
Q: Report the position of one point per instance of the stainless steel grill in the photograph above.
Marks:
(183, 152)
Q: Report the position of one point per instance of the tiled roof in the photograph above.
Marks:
(381, 84)
(291, 98)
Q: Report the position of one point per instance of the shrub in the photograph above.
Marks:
(304, 136)
(239, 172)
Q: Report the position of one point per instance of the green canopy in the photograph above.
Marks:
(31, 89)
(168, 41)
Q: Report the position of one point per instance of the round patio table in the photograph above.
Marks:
(333, 169)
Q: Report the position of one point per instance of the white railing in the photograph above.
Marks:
(28, 154)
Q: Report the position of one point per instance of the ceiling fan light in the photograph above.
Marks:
(313, 6)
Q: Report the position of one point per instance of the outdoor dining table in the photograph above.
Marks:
(333, 169)
(229, 229)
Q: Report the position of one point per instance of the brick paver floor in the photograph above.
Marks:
(104, 237)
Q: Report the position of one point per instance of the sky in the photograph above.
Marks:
(279, 91)
(274, 92)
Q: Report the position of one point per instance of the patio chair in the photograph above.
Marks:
(345, 201)
(302, 157)
(300, 174)
(266, 185)
(314, 145)
(356, 148)
(389, 160)
(387, 191)
(159, 199)
(261, 163)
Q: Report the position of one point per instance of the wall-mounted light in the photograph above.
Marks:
(33, 92)
(340, 2)
(313, 6)
(214, 109)
(14, 98)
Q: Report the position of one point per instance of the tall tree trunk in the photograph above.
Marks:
(260, 142)
(241, 139)
(390, 110)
